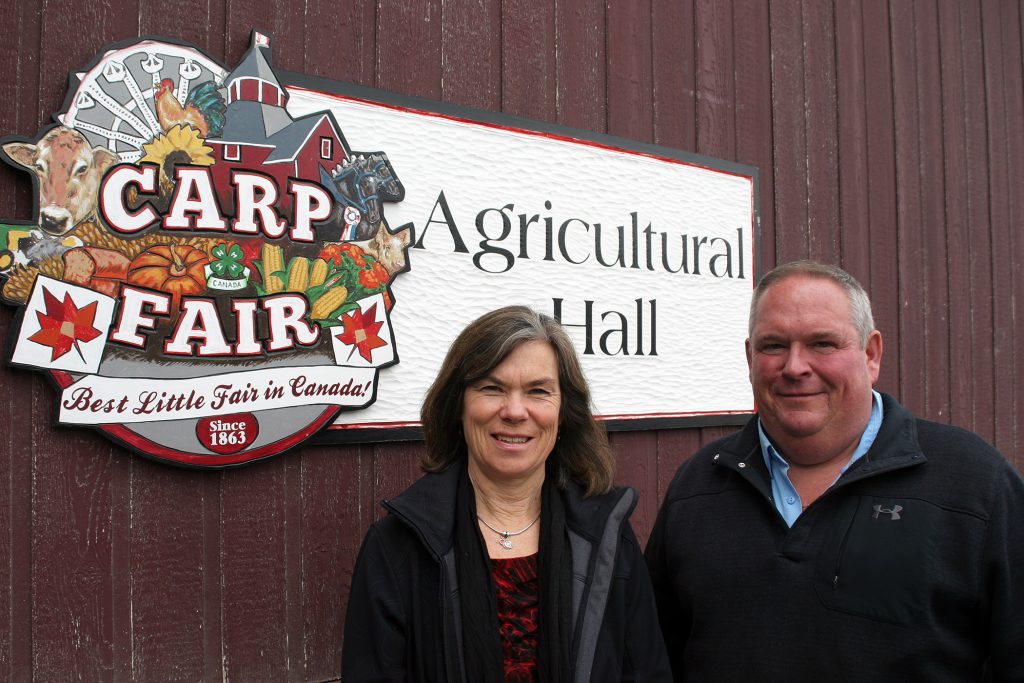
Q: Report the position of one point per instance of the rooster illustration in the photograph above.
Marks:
(204, 108)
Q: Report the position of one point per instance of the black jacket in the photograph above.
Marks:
(403, 621)
(910, 568)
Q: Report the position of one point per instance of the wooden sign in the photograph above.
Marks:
(222, 263)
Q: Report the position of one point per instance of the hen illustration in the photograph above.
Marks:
(204, 108)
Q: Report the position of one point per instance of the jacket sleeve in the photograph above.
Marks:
(673, 619)
(1005, 546)
(374, 647)
(645, 659)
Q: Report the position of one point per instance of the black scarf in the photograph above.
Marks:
(481, 644)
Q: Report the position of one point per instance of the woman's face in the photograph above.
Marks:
(510, 417)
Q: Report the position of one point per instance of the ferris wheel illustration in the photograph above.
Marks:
(115, 103)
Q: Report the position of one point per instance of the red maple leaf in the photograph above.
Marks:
(361, 331)
(64, 325)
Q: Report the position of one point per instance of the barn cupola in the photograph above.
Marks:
(253, 80)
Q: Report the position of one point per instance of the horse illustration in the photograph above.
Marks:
(359, 185)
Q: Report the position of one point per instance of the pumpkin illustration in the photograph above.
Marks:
(173, 268)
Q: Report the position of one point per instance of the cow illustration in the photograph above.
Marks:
(68, 169)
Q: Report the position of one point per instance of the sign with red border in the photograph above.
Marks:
(213, 274)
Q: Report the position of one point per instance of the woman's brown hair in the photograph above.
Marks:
(581, 453)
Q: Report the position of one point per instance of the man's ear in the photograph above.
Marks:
(873, 353)
(750, 358)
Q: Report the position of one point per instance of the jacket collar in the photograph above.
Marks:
(428, 506)
(895, 447)
(588, 517)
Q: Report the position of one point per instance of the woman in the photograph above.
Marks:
(512, 558)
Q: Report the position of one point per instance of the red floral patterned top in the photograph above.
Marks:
(518, 593)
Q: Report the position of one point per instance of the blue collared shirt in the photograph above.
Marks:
(787, 500)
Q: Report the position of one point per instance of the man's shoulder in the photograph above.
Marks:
(939, 437)
(699, 471)
(960, 454)
(960, 468)
(941, 443)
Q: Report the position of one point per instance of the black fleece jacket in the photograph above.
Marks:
(403, 621)
(910, 568)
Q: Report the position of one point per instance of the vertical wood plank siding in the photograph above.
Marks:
(889, 135)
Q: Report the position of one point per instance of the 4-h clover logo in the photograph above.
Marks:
(226, 271)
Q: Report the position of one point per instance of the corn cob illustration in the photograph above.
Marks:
(329, 302)
(21, 278)
(93, 235)
(273, 262)
(318, 273)
(298, 274)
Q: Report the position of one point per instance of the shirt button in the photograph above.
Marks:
(791, 500)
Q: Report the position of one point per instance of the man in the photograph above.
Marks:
(836, 537)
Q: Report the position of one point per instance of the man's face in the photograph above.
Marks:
(811, 378)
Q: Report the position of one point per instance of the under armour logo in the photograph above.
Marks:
(893, 512)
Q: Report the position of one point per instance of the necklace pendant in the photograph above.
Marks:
(503, 536)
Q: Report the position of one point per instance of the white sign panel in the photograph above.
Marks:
(646, 256)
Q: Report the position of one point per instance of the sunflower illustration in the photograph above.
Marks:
(179, 146)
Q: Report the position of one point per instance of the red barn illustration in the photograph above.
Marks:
(259, 133)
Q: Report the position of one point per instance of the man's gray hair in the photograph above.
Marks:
(860, 304)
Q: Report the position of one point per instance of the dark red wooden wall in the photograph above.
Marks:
(889, 137)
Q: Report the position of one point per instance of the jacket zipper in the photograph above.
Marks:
(842, 552)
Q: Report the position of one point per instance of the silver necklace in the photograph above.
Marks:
(503, 536)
